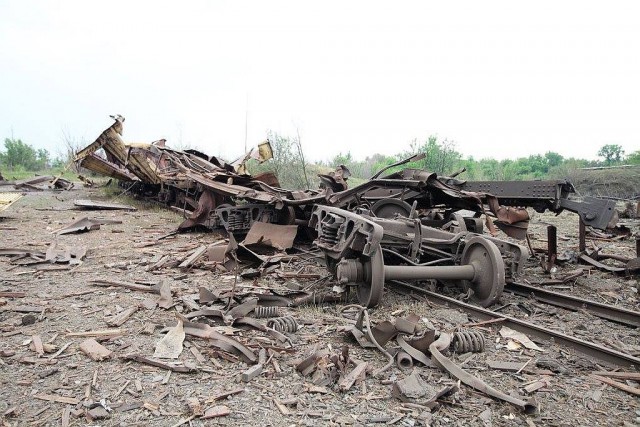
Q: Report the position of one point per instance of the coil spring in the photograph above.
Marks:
(330, 230)
(468, 341)
(236, 220)
(283, 324)
(261, 312)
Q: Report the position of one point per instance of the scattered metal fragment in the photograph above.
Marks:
(528, 407)
(274, 235)
(94, 205)
(509, 333)
(413, 387)
(404, 360)
(219, 340)
(170, 346)
(85, 224)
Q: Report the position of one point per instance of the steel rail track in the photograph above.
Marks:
(587, 348)
(604, 311)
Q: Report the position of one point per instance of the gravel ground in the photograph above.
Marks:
(140, 394)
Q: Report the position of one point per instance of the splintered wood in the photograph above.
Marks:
(95, 350)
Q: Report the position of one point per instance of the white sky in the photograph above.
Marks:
(501, 79)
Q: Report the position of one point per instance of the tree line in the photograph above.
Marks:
(441, 157)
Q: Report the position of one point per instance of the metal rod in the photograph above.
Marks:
(444, 272)
(552, 246)
(582, 243)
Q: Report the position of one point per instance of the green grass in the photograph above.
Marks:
(20, 174)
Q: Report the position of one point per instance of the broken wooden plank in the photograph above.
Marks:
(66, 416)
(283, 409)
(97, 333)
(251, 373)
(216, 411)
(56, 398)
(9, 294)
(158, 364)
(37, 344)
(346, 382)
(506, 366)
(95, 350)
(613, 383)
(188, 262)
(122, 317)
(635, 376)
(224, 395)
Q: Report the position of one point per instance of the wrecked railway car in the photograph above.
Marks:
(407, 225)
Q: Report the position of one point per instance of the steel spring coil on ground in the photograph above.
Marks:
(261, 312)
(283, 324)
(466, 341)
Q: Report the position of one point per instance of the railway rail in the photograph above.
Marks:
(615, 314)
(590, 349)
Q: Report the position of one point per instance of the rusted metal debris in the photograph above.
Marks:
(410, 224)
(85, 224)
(93, 205)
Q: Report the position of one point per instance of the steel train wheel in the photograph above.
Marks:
(370, 291)
(489, 279)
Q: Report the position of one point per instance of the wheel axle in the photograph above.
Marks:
(482, 270)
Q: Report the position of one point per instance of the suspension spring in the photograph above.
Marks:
(283, 324)
(236, 221)
(467, 341)
(261, 312)
(330, 228)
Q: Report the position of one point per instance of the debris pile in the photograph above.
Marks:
(382, 303)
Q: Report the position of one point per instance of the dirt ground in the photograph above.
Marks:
(46, 379)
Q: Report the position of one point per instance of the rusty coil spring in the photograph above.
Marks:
(261, 312)
(283, 324)
(468, 341)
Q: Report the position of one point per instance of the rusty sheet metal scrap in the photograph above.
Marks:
(219, 340)
(457, 372)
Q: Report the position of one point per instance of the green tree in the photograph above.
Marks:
(18, 154)
(633, 158)
(612, 153)
(287, 163)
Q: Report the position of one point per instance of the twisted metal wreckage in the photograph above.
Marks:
(407, 225)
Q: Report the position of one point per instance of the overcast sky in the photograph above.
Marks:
(501, 79)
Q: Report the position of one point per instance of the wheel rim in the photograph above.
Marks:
(489, 279)
(371, 289)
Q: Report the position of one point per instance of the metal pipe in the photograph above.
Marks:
(445, 272)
